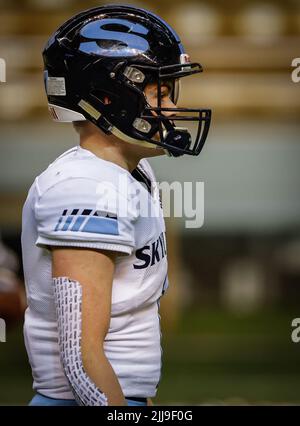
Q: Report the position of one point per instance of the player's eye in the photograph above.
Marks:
(165, 92)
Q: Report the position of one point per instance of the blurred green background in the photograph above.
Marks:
(213, 358)
(235, 282)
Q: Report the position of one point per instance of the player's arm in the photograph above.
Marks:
(89, 284)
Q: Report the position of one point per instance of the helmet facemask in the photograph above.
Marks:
(152, 124)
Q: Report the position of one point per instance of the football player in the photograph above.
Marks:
(95, 266)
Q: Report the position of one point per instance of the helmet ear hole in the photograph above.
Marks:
(103, 96)
(106, 100)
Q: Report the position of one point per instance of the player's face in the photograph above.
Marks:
(151, 93)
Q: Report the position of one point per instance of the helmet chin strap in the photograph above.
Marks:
(66, 115)
(179, 135)
(116, 132)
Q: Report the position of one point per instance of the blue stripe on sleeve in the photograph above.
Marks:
(78, 223)
(101, 225)
(67, 223)
(58, 223)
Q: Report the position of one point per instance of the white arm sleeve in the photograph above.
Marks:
(68, 299)
(83, 212)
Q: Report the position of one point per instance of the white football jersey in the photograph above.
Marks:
(81, 200)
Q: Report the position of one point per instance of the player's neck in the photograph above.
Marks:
(108, 148)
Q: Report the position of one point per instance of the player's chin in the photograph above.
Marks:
(158, 150)
(153, 152)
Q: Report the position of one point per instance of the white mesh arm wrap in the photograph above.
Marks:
(68, 300)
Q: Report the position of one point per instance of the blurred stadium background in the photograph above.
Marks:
(235, 282)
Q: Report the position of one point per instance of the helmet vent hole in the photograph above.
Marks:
(116, 27)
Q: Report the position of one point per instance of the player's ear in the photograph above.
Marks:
(106, 100)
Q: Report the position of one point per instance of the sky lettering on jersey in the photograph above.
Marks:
(150, 255)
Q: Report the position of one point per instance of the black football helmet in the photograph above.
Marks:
(112, 52)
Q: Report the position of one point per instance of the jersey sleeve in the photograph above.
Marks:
(83, 212)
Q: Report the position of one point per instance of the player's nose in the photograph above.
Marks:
(169, 104)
